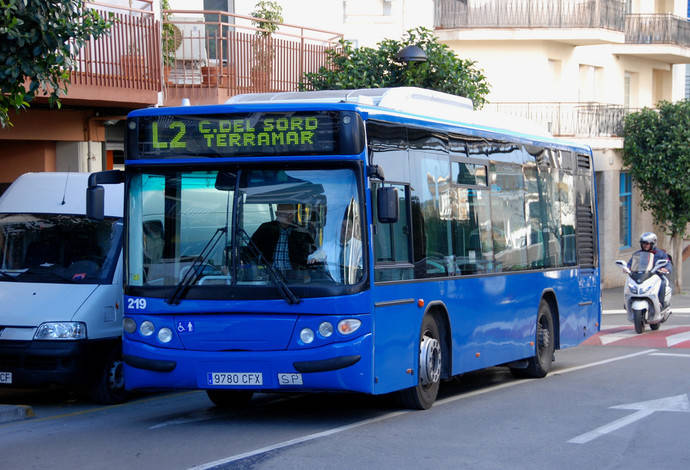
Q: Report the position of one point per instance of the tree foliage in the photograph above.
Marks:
(657, 152)
(365, 67)
(37, 40)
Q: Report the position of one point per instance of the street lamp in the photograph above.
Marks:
(412, 54)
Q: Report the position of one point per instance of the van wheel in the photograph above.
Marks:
(540, 364)
(109, 388)
(229, 398)
(423, 395)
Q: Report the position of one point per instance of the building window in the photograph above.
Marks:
(625, 210)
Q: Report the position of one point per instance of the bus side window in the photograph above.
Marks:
(392, 241)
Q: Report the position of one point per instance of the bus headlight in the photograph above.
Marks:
(146, 328)
(325, 329)
(348, 326)
(129, 325)
(306, 335)
(165, 335)
(61, 330)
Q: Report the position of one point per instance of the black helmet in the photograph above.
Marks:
(648, 237)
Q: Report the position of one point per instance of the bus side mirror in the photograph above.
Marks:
(387, 205)
(95, 194)
(95, 202)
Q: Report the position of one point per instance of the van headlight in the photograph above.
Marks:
(61, 330)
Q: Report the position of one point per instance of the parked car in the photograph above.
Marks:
(61, 287)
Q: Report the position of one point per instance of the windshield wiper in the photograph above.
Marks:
(274, 274)
(193, 274)
(7, 277)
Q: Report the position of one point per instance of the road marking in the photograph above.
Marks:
(100, 408)
(621, 311)
(672, 340)
(612, 337)
(678, 403)
(330, 432)
(670, 354)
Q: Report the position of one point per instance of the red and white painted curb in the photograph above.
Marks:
(676, 337)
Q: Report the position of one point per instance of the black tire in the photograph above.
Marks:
(638, 320)
(229, 398)
(423, 395)
(540, 364)
(109, 388)
(654, 326)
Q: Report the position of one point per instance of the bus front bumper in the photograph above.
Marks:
(337, 366)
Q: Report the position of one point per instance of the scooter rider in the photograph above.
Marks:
(648, 243)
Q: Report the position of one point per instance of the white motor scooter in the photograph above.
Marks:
(641, 291)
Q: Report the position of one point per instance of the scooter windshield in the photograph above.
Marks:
(642, 262)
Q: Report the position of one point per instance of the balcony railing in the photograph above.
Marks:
(604, 14)
(127, 57)
(215, 50)
(570, 119)
(657, 29)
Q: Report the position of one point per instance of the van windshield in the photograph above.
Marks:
(58, 248)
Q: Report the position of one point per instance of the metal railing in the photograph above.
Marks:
(127, 56)
(657, 29)
(569, 119)
(605, 14)
(215, 49)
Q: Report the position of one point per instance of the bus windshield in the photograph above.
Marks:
(242, 227)
(58, 248)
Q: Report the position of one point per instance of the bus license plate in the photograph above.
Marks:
(247, 379)
(5, 377)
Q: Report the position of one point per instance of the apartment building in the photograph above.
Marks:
(112, 75)
(152, 57)
(578, 67)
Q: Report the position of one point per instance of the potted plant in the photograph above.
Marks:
(170, 40)
(262, 60)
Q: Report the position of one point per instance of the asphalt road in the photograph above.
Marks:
(620, 403)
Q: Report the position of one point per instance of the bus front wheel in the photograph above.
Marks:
(423, 395)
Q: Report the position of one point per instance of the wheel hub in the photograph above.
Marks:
(544, 338)
(429, 360)
(116, 379)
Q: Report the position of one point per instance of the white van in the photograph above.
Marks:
(61, 287)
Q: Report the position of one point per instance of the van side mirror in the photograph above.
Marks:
(95, 202)
(387, 205)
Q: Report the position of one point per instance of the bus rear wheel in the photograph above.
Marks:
(540, 364)
(423, 395)
(229, 398)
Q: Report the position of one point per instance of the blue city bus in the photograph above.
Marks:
(423, 240)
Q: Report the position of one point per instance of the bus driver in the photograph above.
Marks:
(282, 242)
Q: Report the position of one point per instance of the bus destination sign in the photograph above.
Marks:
(247, 134)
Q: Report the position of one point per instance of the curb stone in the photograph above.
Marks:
(15, 412)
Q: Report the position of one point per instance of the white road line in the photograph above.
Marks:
(617, 424)
(330, 432)
(681, 310)
(672, 340)
(671, 354)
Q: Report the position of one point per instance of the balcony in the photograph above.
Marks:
(573, 120)
(569, 21)
(210, 56)
(665, 38)
(121, 68)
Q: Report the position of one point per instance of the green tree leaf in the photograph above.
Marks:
(367, 67)
(35, 48)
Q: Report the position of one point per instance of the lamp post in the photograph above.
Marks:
(411, 54)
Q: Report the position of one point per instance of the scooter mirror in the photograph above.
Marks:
(620, 262)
